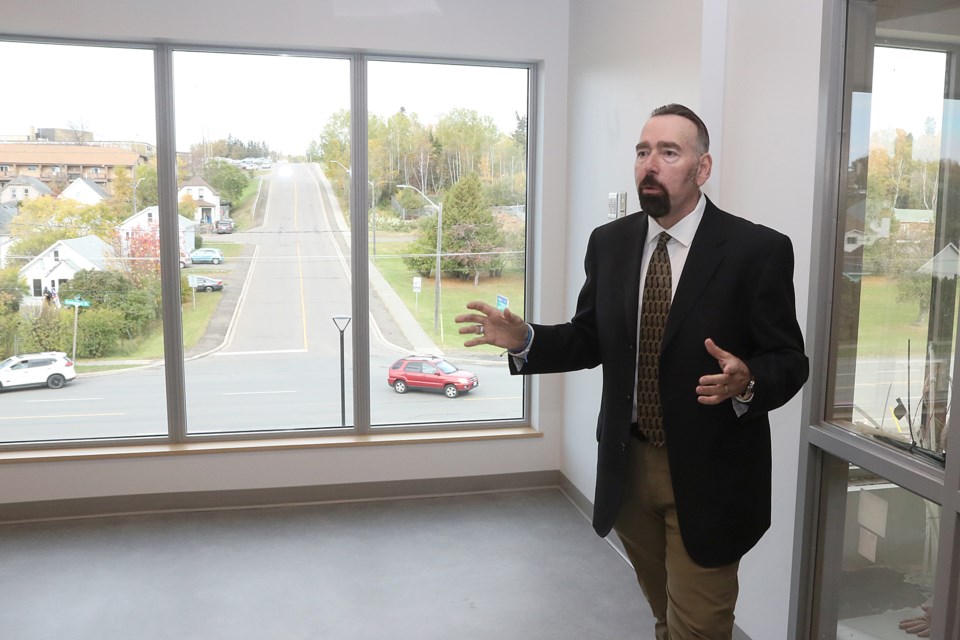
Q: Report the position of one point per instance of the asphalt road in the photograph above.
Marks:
(273, 360)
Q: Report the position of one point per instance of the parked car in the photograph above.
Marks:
(429, 372)
(207, 256)
(224, 226)
(185, 260)
(203, 283)
(52, 369)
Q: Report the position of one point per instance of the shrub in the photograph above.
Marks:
(99, 332)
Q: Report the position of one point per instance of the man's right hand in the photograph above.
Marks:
(492, 326)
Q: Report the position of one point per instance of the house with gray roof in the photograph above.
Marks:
(24, 188)
(8, 212)
(59, 262)
(85, 191)
(149, 218)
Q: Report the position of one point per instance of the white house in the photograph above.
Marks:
(23, 188)
(149, 218)
(207, 200)
(7, 213)
(59, 262)
(85, 191)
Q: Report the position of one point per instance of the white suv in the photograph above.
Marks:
(51, 369)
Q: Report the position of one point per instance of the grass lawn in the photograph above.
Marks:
(242, 212)
(151, 348)
(453, 297)
(229, 250)
(885, 324)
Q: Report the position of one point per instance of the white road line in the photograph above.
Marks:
(65, 400)
(68, 415)
(252, 393)
(258, 353)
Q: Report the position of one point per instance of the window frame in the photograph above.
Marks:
(825, 445)
(173, 354)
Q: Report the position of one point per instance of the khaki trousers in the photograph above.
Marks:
(689, 601)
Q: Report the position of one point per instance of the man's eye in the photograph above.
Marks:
(642, 153)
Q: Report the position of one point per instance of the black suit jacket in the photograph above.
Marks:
(737, 288)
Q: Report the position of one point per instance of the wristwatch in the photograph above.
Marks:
(747, 394)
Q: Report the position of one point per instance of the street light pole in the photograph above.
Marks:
(436, 279)
(135, 195)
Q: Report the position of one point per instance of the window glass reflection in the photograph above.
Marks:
(889, 561)
(894, 321)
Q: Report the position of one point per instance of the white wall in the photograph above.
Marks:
(626, 59)
(534, 30)
(770, 142)
(751, 69)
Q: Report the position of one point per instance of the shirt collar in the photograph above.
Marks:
(684, 230)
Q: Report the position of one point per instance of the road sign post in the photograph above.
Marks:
(342, 322)
(417, 286)
(76, 304)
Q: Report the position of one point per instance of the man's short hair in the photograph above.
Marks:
(673, 109)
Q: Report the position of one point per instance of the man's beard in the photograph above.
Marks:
(655, 205)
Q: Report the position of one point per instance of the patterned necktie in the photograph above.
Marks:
(657, 290)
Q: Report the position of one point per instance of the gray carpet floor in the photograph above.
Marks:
(498, 566)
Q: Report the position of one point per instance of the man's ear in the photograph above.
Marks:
(704, 169)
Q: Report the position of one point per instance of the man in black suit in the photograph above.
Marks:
(691, 313)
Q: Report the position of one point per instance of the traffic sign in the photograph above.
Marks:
(417, 284)
(502, 302)
(76, 303)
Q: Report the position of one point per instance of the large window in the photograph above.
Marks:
(894, 322)
(71, 278)
(448, 179)
(195, 253)
(879, 545)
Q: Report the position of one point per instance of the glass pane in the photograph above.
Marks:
(889, 562)
(268, 243)
(447, 176)
(894, 322)
(77, 160)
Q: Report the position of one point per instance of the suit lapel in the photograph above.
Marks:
(703, 260)
(631, 270)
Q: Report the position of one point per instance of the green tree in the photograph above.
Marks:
(43, 221)
(471, 234)
(12, 290)
(226, 178)
(464, 135)
(335, 138)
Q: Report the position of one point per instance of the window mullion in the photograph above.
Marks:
(169, 246)
(359, 250)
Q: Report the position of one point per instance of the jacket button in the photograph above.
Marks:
(623, 446)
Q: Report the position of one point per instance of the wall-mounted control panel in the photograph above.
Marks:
(616, 204)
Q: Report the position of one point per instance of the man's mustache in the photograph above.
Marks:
(650, 181)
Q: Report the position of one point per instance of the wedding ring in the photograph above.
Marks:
(479, 329)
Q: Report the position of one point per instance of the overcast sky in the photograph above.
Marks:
(286, 100)
(282, 100)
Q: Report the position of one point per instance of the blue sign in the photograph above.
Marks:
(76, 303)
(502, 302)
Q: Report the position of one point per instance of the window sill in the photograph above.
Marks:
(274, 444)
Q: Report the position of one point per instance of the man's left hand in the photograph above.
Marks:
(716, 388)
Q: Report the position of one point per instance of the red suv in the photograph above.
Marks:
(429, 372)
